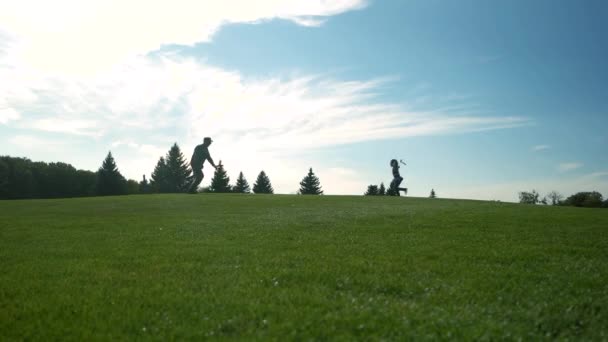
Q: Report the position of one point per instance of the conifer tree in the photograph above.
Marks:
(381, 190)
(372, 190)
(178, 171)
(160, 176)
(262, 184)
(220, 182)
(241, 185)
(310, 184)
(144, 186)
(109, 179)
(432, 195)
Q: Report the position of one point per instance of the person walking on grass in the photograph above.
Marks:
(201, 153)
(397, 179)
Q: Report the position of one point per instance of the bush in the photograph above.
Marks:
(587, 199)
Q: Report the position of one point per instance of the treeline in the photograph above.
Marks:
(586, 199)
(21, 178)
(375, 190)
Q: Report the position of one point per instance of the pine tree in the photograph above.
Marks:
(109, 179)
(179, 173)
(262, 184)
(241, 185)
(432, 195)
(310, 184)
(381, 190)
(372, 190)
(158, 180)
(220, 182)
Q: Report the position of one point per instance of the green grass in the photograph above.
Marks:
(175, 267)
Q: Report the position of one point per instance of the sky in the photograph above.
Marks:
(481, 99)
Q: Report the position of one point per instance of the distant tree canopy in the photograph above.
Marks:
(220, 183)
(529, 197)
(555, 197)
(592, 199)
(109, 180)
(589, 199)
(372, 190)
(433, 195)
(310, 184)
(262, 184)
(172, 173)
(241, 185)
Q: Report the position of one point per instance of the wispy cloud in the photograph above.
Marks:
(255, 119)
(596, 175)
(33, 142)
(538, 148)
(564, 167)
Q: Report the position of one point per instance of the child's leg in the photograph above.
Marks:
(395, 186)
(399, 180)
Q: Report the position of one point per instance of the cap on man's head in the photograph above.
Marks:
(207, 139)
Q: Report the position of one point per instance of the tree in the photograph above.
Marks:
(262, 184)
(144, 186)
(310, 184)
(159, 176)
(605, 204)
(381, 190)
(220, 182)
(241, 185)
(372, 190)
(432, 195)
(587, 199)
(22, 178)
(555, 197)
(4, 173)
(529, 197)
(86, 182)
(391, 192)
(109, 179)
(132, 187)
(179, 173)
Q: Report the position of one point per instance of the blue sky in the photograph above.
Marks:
(481, 99)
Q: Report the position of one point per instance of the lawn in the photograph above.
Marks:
(262, 267)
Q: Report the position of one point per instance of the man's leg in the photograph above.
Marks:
(198, 178)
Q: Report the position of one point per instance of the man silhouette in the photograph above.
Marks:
(201, 153)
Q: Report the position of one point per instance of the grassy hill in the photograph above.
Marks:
(296, 267)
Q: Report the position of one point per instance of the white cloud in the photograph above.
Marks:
(86, 37)
(564, 167)
(540, 148)
(8, 114)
